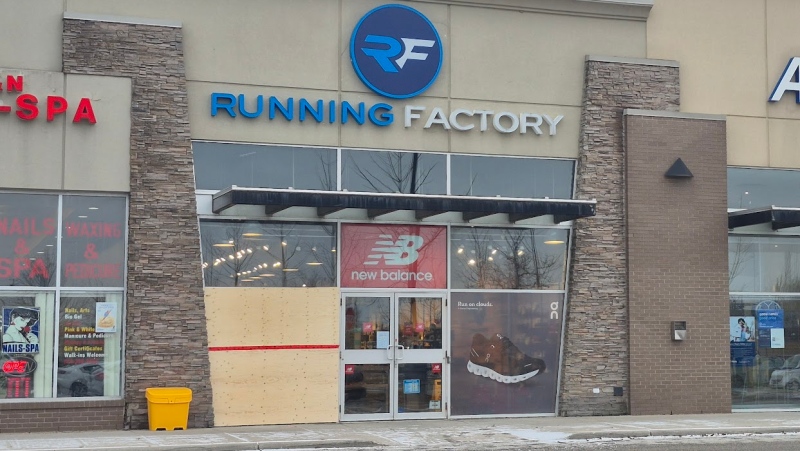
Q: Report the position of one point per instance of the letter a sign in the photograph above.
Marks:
(790, 81)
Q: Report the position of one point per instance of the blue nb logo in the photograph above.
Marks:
(396, 51)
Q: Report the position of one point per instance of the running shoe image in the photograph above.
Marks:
(499, 359)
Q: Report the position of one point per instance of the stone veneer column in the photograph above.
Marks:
(166, 341)
(596, 335)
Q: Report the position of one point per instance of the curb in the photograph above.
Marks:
(639, 433)
(246, 446)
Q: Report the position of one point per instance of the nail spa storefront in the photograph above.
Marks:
(323, 211)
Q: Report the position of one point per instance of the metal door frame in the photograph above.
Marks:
(393, 355)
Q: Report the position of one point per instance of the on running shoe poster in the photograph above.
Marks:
(394, 256)
(505, 352)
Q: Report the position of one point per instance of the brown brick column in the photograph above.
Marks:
(678, 263)
(166, 341)
(596, 335)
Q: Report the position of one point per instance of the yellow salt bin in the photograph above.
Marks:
(168, 407)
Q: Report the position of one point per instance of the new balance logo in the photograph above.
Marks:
(402, 252)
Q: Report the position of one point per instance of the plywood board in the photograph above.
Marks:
(272, 316)
(274, 355)
(275, 387)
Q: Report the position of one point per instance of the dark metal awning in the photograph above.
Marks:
(376, 204)
(777, 217)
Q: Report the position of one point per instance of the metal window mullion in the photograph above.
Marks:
(57, 307)
(339, 168)
(449, 182)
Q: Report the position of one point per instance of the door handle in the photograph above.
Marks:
(401, 348)
(389, 353)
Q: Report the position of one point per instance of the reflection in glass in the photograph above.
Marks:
(753, 188)
(394, 172)
(35, 331)
(367, 322)
(28, 229)
(220, 165)
(27, 344)
(764, 373)
(93, 243)
(420, 323)
(258, 254)
(366, 389)
(419, 388)
(508, 258)
(764, 264)
(511, 177)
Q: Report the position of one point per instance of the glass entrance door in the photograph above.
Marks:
(393, 358)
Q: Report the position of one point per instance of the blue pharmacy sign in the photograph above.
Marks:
(743, 353)
(768, 319)
(396, 51)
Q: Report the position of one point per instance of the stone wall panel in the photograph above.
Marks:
(166, 339)
(596, 335)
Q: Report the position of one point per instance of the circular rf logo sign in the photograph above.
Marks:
(396, 51)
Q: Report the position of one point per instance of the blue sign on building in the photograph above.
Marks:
(768, 319)
(396, 51)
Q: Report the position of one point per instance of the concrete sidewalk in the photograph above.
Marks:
(495, 433)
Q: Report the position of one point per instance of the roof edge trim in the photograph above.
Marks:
(673, 114)
(636, 10)
(627, 60)
(122, 19)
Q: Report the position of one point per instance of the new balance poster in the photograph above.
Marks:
(505, 352)
(394, 256)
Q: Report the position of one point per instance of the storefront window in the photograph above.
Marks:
(89, 344)
(26, 361)
(220, 165)
(83, 328)
(489, 176)
(28, 226)
(764, 276)
(394, 172)
(494, 258)
(753, 188)
(764, 264)
(93, 244)
(765, 351)
(258, 254)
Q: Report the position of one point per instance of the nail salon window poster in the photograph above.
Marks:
(20, 330)
(105, 317)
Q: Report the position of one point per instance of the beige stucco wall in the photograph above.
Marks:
(273, 385)
(732, 54)
(60, 154)
(31, 34)
(514, 56)
(32, 150)
(97, 158)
